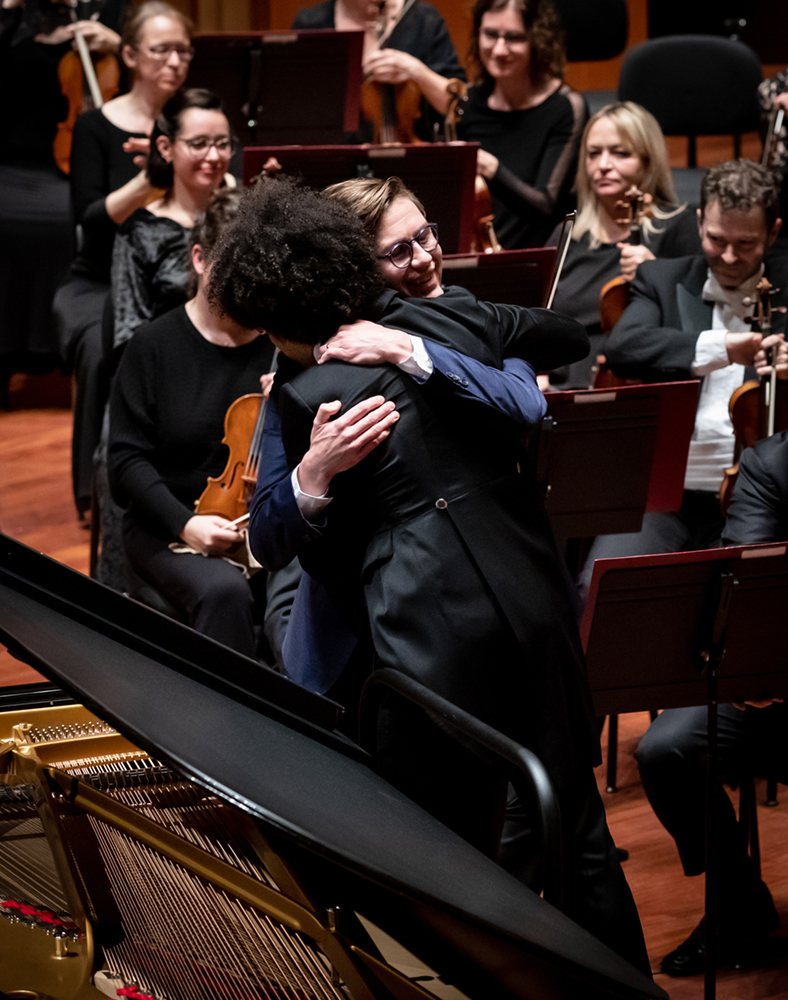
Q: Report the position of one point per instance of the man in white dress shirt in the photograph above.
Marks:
(688, 319)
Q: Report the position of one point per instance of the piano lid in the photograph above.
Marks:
(456, 909)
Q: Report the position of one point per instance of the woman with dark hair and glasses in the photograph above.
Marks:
(108, 183)
(528, 121)
(190, 153)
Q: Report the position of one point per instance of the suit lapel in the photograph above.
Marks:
(694, 313)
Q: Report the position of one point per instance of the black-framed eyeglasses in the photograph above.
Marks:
(509, 38)
(201, 144)
(185, 53)
(401, 254)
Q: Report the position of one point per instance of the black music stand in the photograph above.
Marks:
(518, 277)
(440, 174)
(283, 86)
(607, 456)
(676, 630)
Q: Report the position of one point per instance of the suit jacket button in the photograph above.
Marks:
(441, 504)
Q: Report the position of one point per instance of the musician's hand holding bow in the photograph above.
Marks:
(781, 101)
(366, 343)
(211, 534)
(775, 341)
(98, 36)
(486, 164)
(631, 257)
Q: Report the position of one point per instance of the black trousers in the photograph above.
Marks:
(215, 597)
(78, 306)
(672, 767)
(697, 525)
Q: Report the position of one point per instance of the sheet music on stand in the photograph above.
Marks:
(516, 277)
(441, 175)
(604, 457)
(283, 86)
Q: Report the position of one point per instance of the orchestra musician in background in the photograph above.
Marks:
(528, 121)
(688, 319)
(177, 377)
(752, 739)
(108, 183)
(190, 152)
(404, 40)
(622, 146)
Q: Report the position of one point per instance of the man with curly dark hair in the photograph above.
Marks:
(434, 543)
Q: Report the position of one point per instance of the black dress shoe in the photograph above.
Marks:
(736, 946)
(688, 959)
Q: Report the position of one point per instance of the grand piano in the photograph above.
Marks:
(178, 822)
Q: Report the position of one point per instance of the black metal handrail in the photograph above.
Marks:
(524, 769)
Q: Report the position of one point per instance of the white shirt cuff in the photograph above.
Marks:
(419, 364)
(309, 506)
(710, 352)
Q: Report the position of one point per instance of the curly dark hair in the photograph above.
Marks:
(547, 49)
(740, 185)
(294, 263)
(168, 123)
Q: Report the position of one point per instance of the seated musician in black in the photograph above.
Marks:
(403, 41)
(462, 585)
(752, 738)
(177, 378)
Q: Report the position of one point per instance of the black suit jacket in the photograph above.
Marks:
(463, 586)
(759, 508)
(655, 338)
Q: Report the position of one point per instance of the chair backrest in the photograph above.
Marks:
(595, 30)
(694, 84)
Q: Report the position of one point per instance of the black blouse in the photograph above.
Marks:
(537, 151)
(98, 167)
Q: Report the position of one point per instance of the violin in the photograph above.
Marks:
(228, 494)
(393, 109)
(758, 408)
(485, 238)
(614, 297)
(85, 86)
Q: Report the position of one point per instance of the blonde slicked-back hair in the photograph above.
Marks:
(639, 130)
(371, 197)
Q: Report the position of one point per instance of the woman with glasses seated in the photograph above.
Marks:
(108, 183)
(190, 151)
(526, 118)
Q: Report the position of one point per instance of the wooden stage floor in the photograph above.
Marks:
(36, 508)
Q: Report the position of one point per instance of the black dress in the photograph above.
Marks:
(537, 151)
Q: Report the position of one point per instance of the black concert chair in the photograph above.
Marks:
(694, 85)
(594, 32)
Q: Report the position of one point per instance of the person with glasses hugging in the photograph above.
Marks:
(108, 183)
(528, 121)
(433, 547)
